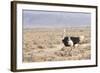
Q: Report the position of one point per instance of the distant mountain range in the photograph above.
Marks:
(49, 19)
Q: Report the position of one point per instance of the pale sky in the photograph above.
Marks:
(41, 19)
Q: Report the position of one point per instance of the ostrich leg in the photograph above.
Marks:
(70, 54)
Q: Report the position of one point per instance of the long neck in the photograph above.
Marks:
(64, 33)
(69, 38)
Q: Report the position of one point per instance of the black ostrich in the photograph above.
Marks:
(71, 41)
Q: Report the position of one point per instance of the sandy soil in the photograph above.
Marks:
(46, 45)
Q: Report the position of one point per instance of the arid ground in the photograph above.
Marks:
(45, 44)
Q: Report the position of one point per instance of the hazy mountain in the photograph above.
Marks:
(55, 19)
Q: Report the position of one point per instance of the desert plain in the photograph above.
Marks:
(45, 44)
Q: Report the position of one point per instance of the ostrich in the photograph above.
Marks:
(71, 41)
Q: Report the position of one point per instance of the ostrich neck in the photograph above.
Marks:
(64, 33)
(69, 38)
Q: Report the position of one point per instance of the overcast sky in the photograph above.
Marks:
(48, 19)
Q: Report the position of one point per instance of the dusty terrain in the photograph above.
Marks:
(46, 45)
